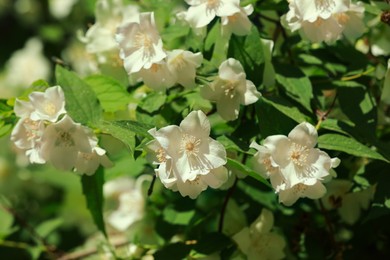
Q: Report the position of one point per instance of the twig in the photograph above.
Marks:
(224, 205)
(324, 115)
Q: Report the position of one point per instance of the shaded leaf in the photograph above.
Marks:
(153, 102)
(178, 217)
(93, 192)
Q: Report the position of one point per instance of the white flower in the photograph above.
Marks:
(324, 20)
(288, 196)
(238, 23)
(189, 160)
(62, 141)
(87, 163)
(60, 8)
(130, 196)
(27, 135)
(201, 12)
(231, 89)
(258, 241)
(48, 105)
(182, 65)
(348, 203)
(140, 43)
(100, 37)
(294, 166)
(23, 68)
(157, 77)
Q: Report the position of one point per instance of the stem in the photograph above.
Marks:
(150, 190)
(330, 227)
(224, 205)
(324, 115)
(358, 75)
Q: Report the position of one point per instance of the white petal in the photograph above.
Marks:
(216, 177)
(304, 134)
(196, 124)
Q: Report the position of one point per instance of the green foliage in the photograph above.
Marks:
(81, 101)
(110, 93)
(93, 192)
(348, 145)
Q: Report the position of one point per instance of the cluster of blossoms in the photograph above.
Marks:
(142, 51)
(259, 241)
(188, 159)
(325, 20)
(234, 18)
(295, 168)
(48, 134)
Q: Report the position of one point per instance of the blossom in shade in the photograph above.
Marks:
(189, 160)
(295, 167)
(348, 202)
(238, 23)
(140, 43)
(231, 89)
(202, 12)
(259, 241)
(182, 65)
(157, 77)
(129, 196)
(88, 163)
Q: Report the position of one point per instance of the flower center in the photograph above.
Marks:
(299, 188)
(233, 18)
(213, 4)
(49, 108)
(190, 145)
(178, 62)
(64, 139)
(342, 18)
(325, 5)
(32, 128)
(298, 154)
(160, 154)
(230, 88)
(143, 40)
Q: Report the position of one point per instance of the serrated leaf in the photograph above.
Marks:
(153, 102)
(246, 170)
(178, 217)
(81, 101)
(348, 145)
(296, 84)
(93, 191)
(111, 94)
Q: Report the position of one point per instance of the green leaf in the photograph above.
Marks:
(296, 84)
(128, 125)
(249, 51)
(111, 94)
(219, 242)
(81, 101)
(6, 222)
(93, 192)
(348, 145)
(153, 102)
(5, 128)
(246, 170)
(176, 251)
(178, 217)
(229, 144)
(286, 108)
(45, 228)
